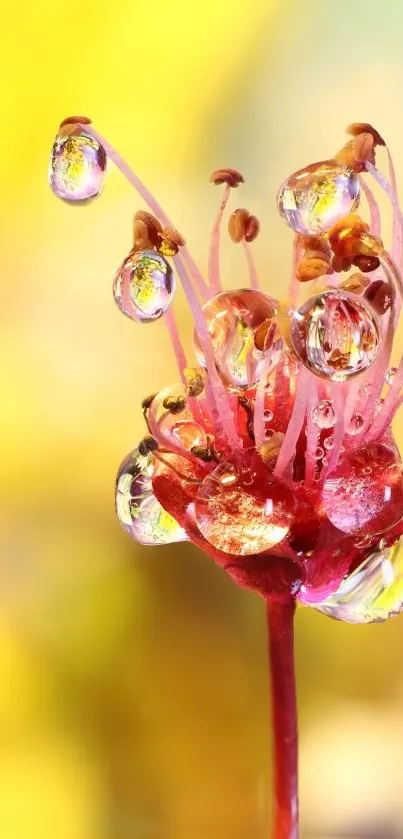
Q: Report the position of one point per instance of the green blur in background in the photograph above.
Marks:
(133, 681)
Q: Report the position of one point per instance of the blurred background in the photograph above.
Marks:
(133, 683)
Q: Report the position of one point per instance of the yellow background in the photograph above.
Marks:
(133, 686)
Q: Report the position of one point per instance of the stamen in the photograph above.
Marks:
(214, 256)
(253, 275)
(288, 449)
(180, 356)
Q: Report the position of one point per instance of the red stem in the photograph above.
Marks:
(280, 620)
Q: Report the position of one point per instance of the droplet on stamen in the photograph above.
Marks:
(77, 167)
(144, 286)
(313, 199)
(355, 425)
(323, 415)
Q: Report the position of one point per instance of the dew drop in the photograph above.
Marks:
(268, 414)
(328, 443)
(319, 453)
(355, 425)
(323, 415)
(77, 167)
(335, 348)
(313, 199)
(188, 434)
(269, 433)
(390, 375)
(137, 508)
(233, 319)
(144, 286)
(371, 593)
(243, 513)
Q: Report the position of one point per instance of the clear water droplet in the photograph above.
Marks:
(189, 434)
(319, 453)
(390, 375)
(323, 415)
(366, 390)
(269, 433)
(233, 319)
(144, 286)
(329, 443)
(373, 592)
(355, 425)
(313, 199)
(77, 167)
(356, 500)
(243, 515)
(137, 508)
(335, 348)
(378, 406)
(268, 414)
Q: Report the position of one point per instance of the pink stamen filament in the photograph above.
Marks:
(180, 356)
(214, 256)
(375, 222)
(253, 275)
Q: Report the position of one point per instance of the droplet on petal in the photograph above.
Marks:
(233, 319)
(390, 375)
(137, 508)
(189, 434)
(373, 592)
(355, 425)
(313, 199)
(243, 511)
(335, 335)
(77, 167)
(144, 286)
(323, 415)
(365, 491)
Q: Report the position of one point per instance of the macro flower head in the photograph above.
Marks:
(273, 451)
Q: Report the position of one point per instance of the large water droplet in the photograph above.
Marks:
(373, 592)
(137, 508)
(323, 415)
(77, 167)
(355, 425)
(335, 335)
(243, 511)
(242, 325)
(313, 199)
(144, 286)
(365, 491)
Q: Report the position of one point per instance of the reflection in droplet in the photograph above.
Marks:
(235, 320)
(355, 425)
(373, 592)
(313, 199)
(77, 167)
(137, 508)
(335, 335)
(144, 286)
(323, 415)
(243, 512)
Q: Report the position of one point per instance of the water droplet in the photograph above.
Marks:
(323, 415)
(313, 199)
(378, 405)
(268, 414)
(137, 508)
(243, 516)
(335, 348)
(77, 167)
(355, 425)
(319, 453)
(363, 540)
(269, 433)
(356, 500)
(233, 319)
(328, 443)
(366, 390)
(373, 592)
(390, 375)
(144, 286)
(189, 434)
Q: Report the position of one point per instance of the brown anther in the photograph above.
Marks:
(237, 224)
(147, 401)
(311, 268)
(363, 147)
(264, 334)
(347, 157)
(347, 237)
(356, 283)
(357, 128)
(174, 404)
(170, 240)
(152, 224)
(269, 451)
(195, 378)
(252, 229)
(231, 177)
(141, 236)
(203, 453)
(147, 445)
(366, 264)
(379, 295)
(75, 120)
(313, 245)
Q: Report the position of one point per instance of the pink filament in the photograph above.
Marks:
(253, 276)
(375, 223)
(214, 257)
(285, 459)
(258, 418)
(149, 199)
(294, 285)
(312, 437)
(180, 356)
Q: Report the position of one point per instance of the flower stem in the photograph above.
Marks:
(280, 621)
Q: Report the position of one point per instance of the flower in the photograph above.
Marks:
(274, 453)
